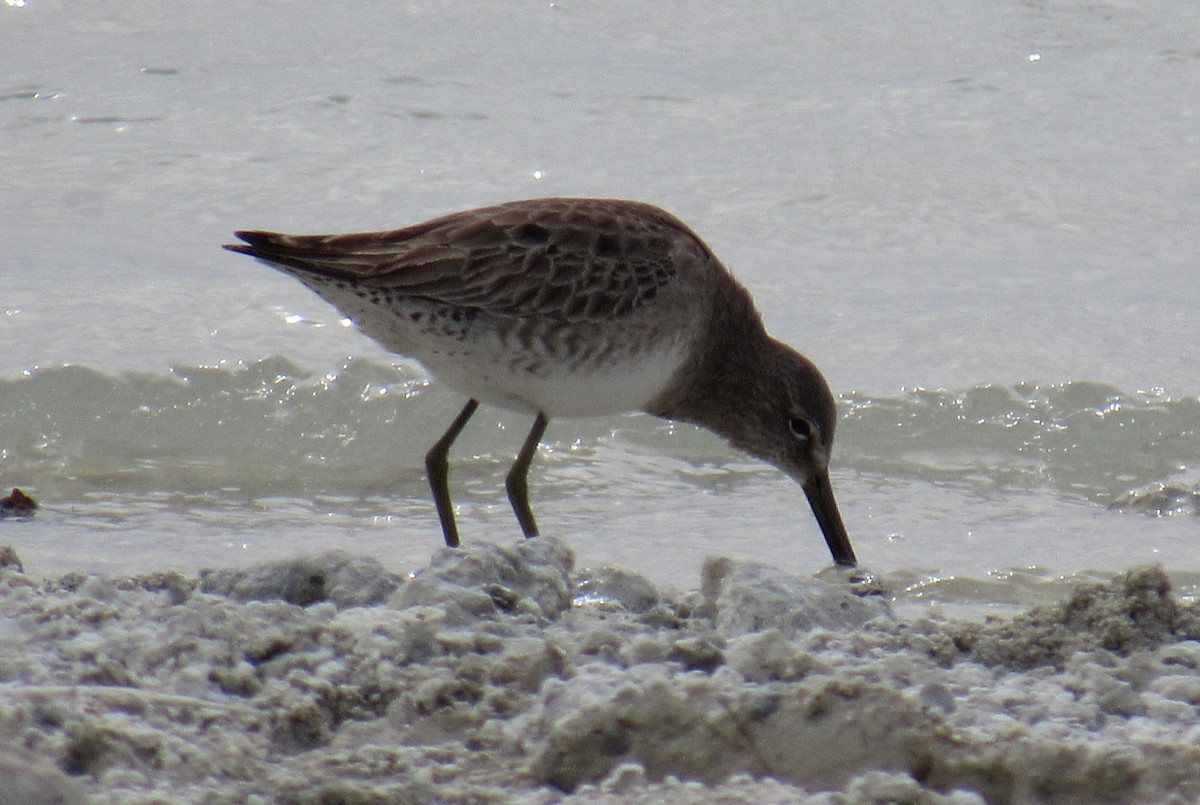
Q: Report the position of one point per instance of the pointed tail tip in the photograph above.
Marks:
(253, 241)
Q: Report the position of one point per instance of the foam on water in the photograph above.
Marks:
(489, 677)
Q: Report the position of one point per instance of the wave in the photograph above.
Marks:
(1079, 438)
(274, 425)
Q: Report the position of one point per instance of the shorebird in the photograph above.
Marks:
(562, 307)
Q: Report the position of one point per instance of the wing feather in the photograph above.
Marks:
(579, 259)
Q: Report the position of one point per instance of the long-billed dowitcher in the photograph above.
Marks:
(576, 307)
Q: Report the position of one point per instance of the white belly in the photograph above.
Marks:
(525, 365)
(625, 386)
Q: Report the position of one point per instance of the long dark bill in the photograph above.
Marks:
(819, 492)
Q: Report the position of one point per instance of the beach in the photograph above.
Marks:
(500, 673)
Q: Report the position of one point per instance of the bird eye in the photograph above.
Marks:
(801, 428)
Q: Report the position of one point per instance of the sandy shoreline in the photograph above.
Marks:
(498, 675)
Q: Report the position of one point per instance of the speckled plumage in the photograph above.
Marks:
(576, 307)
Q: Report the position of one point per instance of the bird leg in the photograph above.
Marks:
(517, 482)
(437, 466)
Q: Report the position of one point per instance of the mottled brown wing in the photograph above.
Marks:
(581, 259)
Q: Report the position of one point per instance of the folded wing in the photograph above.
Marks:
(578, 259)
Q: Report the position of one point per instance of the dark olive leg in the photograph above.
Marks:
(437, 466)
(517, 482)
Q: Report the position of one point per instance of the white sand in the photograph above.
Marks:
(499, 676)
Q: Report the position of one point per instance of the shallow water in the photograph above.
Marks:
(995, 199)
(232, 465)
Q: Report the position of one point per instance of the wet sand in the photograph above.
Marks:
(501, 674)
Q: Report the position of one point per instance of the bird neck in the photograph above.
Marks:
(734, 355)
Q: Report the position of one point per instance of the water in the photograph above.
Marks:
(979, 219)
